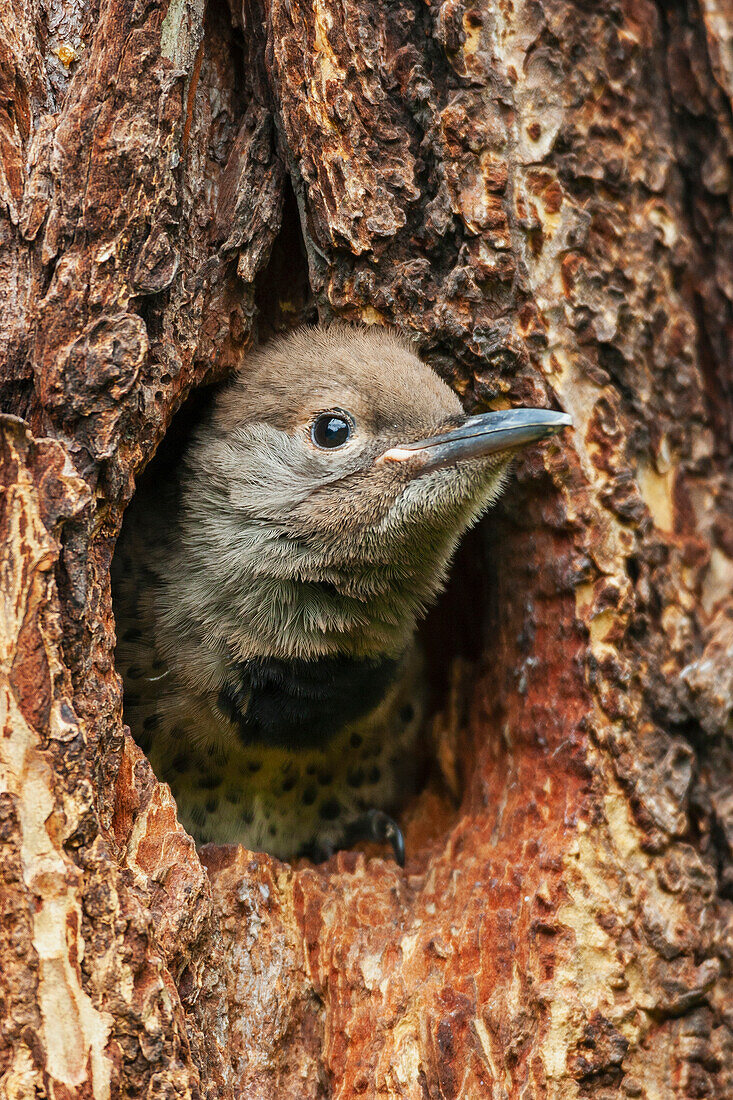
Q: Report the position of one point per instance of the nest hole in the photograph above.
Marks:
(452, 635)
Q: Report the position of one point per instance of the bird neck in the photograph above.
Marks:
(251, 612)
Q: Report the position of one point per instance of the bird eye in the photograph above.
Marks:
(331, 429)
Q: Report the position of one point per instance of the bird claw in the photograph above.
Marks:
(380, 827)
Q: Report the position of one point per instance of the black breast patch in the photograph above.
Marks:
(302, 704)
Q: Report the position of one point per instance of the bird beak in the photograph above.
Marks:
(479, 436)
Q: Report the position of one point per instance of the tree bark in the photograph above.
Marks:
(541, 191)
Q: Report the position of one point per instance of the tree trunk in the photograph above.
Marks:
(541, 190)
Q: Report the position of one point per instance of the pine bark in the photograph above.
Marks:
(541, 191)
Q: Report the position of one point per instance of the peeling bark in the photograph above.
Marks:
(542, 192)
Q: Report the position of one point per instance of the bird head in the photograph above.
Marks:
(325, 496)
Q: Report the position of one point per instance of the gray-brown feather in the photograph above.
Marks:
(267, 797)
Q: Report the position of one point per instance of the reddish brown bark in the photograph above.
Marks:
(542, 192)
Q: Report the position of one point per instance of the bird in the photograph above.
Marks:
(268, 589)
